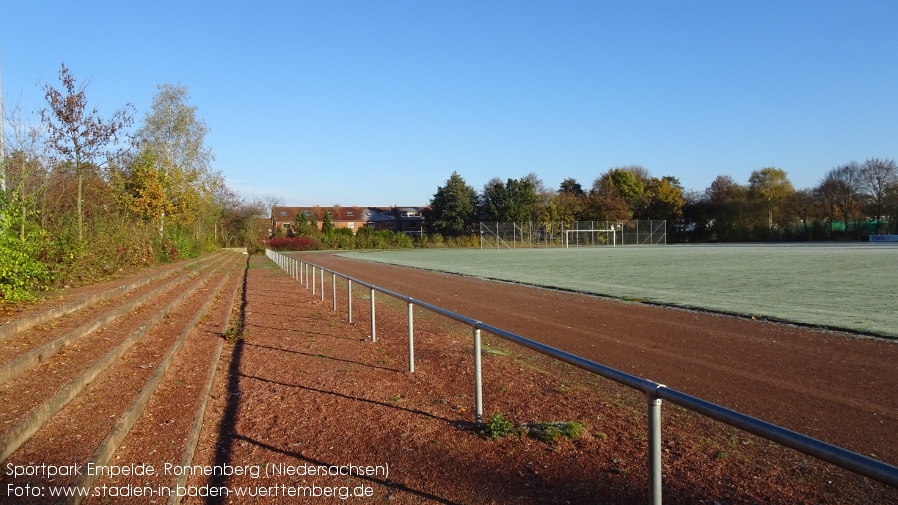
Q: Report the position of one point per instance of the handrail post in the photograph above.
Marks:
(322, 284)
(654, 447)
(334, 288)
(373, 325)
(478, 379)
(349, 298)
(411, 337)
(313, 279)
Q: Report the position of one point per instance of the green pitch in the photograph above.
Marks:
(852, 287)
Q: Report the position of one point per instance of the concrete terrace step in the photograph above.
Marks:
(87, 416)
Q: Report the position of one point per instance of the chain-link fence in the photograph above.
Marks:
(513, 235)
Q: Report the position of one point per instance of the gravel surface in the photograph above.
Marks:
(305, 388)
(305, 408)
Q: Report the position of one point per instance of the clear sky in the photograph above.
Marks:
(377, 102)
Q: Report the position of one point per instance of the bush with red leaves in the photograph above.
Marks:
(294, 244)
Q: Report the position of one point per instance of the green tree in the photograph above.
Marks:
(544, 199)
(665, 201)
(628, 184)
(493, 200)
(301, 226)
(569, 201)
(313, 222)
(327, 227)
(726, 206)
(81, 137)
(572, 187)
(513, 200)
(770, 187)
(605, 200)
(143, 189)
(453, 208)
(176, 138)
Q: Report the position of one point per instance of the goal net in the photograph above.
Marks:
(592, 237)
(513, 235)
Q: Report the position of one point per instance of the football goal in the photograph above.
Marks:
(591, 237)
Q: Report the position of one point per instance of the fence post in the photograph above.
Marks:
(334, 288)
(349, 298)
(411, 337)
(313, 279)
(373, 326)
(322, 284)
(478, 379)
(654, 447)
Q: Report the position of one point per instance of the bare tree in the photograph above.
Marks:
(842, 186)
(23, 165)
(878, 180)
(270, 201)
(80, 137)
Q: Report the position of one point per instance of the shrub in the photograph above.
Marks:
(294, 244)
(22, 275)
(498, 426)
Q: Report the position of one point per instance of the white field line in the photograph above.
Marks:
(852, 287)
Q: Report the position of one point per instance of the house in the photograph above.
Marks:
(409, 220)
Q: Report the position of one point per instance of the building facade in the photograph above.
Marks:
(409, 220)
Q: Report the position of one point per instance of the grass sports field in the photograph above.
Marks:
(852, 286)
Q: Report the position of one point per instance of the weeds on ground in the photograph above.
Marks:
(232, 335)
(549, 432)
(498, 426)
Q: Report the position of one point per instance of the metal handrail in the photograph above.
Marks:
(655, 392)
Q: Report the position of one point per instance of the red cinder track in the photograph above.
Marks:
(830, 386)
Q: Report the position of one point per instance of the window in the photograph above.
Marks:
(391, 225)
(283, 213)
(351, 226)
(307, 212)
(349, 213)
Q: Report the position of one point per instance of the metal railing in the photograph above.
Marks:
(654, 392)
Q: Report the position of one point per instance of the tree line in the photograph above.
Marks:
(85, 196)
(851, 201)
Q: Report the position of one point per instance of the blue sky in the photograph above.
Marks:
(378, 102)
